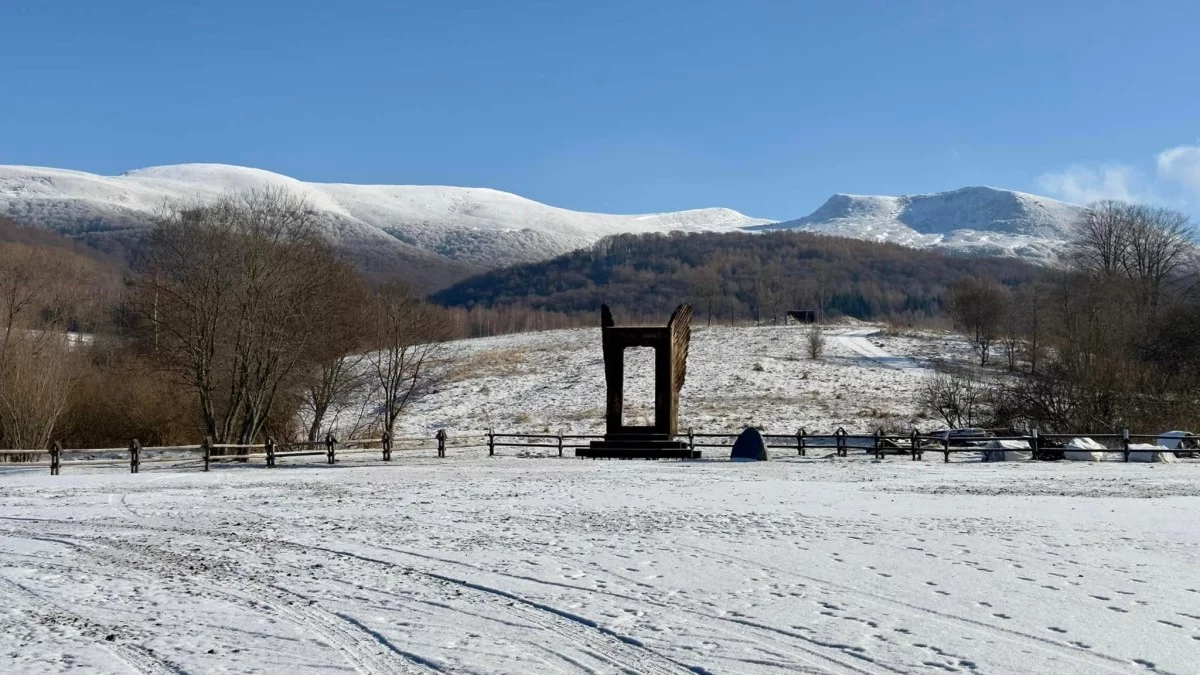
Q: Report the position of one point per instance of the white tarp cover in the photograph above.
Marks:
(1145, 452)
(1007, 451)
(1083, 450)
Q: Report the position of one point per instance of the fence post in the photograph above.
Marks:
(441, 441)
(560, 444)
(270, 452)
(878, 453)
(55, 452)
(801, 441)
(330, 444)
(913, 444)
(691, 439)
(1125, 442)
(491, 442)
(135, 455)
(1037, 444)
(946, 447)
(387, 446)
(208, 443)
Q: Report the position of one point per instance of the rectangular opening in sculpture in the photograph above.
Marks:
(638, 404)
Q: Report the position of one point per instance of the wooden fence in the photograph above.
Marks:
(880, 444)
(205, 454)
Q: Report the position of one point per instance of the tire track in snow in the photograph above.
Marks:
(623, 651)
(609, 646)
(818, 654)
(138, 658)
(360, 646)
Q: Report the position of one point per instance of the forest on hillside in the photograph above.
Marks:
(731, 277)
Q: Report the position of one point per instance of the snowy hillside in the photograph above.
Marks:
(480, 227)
(977, 220)
(554, 380)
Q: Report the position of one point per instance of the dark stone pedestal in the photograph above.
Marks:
(749, 446)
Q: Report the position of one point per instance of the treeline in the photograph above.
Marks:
(236, 320)
(1107, 341)
(737, 277)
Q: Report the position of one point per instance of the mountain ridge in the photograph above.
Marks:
(438, 233)
(441, 234)
(980, 220)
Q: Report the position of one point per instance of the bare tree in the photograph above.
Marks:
(42, 292)
(814, 342)
(1101, 237)
(1032, 300)
(959, 399)
(817, 293)
(233, 293)
(1161, 246)
(1012, 332)
(404, 358)
(1149, 246)
(331, 384)
(977, 307)
(771, 291)
(35, 385)
(708, 284)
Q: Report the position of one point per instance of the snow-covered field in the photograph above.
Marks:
(744, 376)
(513, 565)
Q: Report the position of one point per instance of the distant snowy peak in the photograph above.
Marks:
(475, 226)
(981, 220)
(449, 232)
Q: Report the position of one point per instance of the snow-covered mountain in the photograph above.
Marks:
(471, 228)
(976, 220)
(436, 234)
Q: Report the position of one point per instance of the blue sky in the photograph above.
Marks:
(763, 106)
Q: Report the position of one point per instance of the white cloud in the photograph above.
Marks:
(1181, 164)
(1086, 184)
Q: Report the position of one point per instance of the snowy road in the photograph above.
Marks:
(544, 565)
(858, 341)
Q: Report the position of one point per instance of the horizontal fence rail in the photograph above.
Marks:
(208, 453)
(879, 444)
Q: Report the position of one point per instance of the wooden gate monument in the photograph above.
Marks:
(670, 344)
